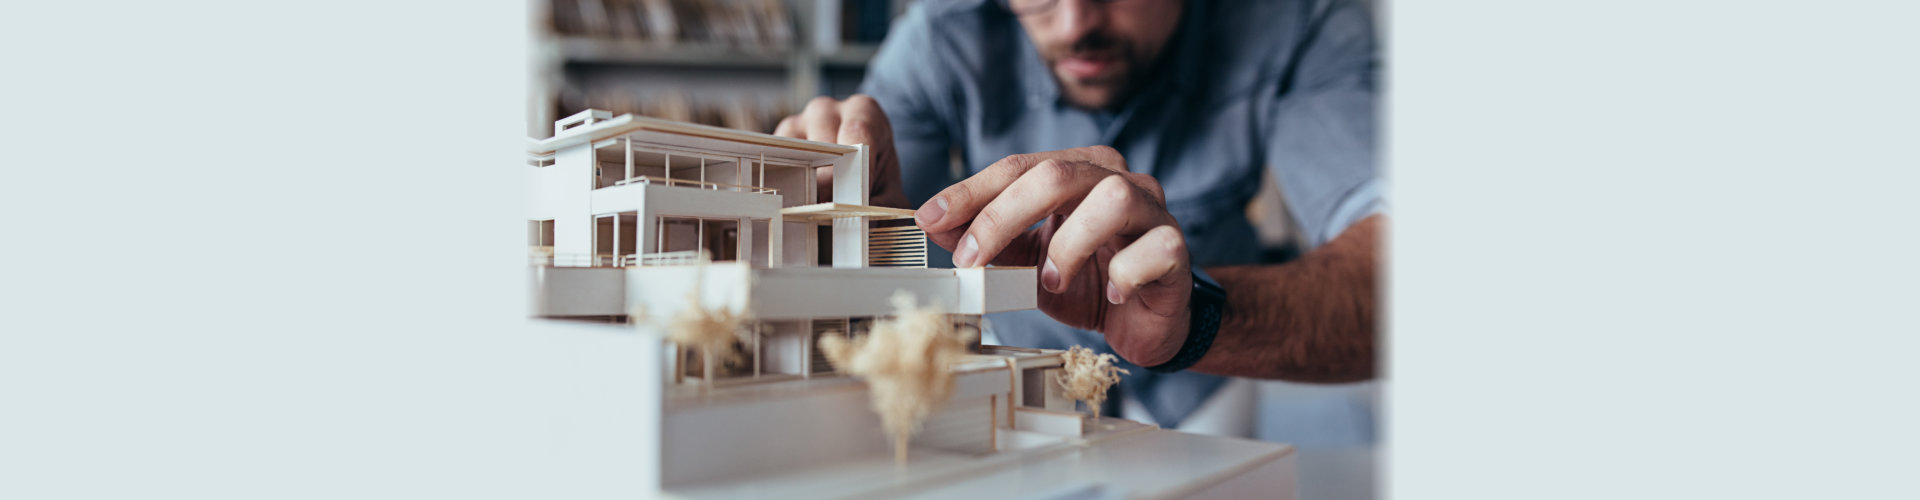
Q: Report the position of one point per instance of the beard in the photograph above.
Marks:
(1096, 70)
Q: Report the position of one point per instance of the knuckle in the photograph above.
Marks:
(1102, 152)
(1171, 239)
(819, 105)
(1117, 189)
(862, 101)
(858, 126)
(1051, 172)
(1016, 164)
(1150, 184)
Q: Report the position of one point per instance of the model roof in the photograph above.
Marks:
(690, 135)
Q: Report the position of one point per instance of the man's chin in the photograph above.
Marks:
(1089, 98)
(1088, 93)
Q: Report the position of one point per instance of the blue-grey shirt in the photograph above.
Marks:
(1286, 86)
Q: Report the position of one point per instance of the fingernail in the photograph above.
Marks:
(1113, 295)
(931, 213)
(1050, 276)
(964, 256)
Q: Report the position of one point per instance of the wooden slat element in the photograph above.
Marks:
(828, 211)
(904, 246)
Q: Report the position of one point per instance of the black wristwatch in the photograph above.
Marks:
(1208, 303)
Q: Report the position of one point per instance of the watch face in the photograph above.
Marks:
(1207, 288)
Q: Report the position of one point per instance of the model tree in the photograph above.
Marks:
(907, 362)
(709, 331)
(1087, 376)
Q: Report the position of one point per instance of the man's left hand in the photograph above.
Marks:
(1111, 258)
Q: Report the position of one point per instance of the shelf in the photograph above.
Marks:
(851, 55)
(603, 51)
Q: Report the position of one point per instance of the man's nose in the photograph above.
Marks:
(1073, 19)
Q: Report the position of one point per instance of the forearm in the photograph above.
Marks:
(1310, 320)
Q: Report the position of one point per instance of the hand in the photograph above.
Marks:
(857, 120)
(1111, 258)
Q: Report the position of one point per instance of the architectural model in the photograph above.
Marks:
(714, 241)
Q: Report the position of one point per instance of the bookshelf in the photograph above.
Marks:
(732, 63)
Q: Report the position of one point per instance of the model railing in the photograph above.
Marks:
(679, 258)
(648, 179)
(573, 260)
(904, 246)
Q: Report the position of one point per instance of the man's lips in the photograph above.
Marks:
(1086, 67)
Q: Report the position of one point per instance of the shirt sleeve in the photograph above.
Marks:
(1320, 123)
(905, 78)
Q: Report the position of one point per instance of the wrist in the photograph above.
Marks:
(1205, 307)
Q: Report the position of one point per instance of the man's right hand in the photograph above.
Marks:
(857, 120)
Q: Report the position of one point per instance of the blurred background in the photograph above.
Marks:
(741, 64)
(745, 64)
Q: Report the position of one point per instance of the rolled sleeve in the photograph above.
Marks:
(1321, 125)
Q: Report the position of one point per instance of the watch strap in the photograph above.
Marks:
(1206, 305)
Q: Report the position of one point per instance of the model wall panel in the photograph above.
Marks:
(1010, 289)
(792, 183)
(578, 291)
(783, 350)
(607, 410)
(797, 246)
(683, 201)
(757, 249)
(767, 435)
(831, 292)
(668, 288)
(850, 242)
(964, 425)
(850, 178)
(571, 178)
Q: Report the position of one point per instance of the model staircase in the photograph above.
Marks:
(821, 328)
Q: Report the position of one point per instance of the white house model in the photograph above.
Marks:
(638, 214)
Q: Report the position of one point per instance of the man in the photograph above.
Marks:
(1115, 144)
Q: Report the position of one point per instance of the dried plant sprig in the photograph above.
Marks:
(907, 361)
(1086, 376)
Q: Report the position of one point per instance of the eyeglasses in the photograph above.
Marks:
(1037, 7)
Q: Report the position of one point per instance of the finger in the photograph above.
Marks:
(823, 184)
(1051, 187)
(1158, 258)
(1115, 209)
(859, 122)
(959, 203)
(822, 120)
(789, 127)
